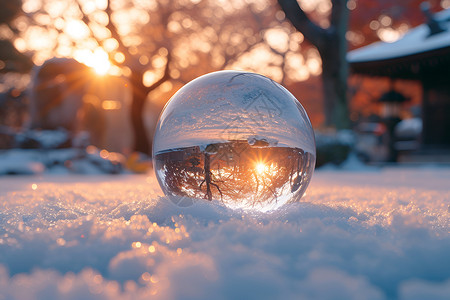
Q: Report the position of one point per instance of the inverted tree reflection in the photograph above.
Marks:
(235, 172)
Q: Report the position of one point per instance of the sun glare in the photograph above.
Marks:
(260, 168)
(77, 29)
(100, 62)
(111, 105)
(97, 60)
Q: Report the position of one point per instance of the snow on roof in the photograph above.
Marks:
(416, 40)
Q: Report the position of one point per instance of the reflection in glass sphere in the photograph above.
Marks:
(235, 137)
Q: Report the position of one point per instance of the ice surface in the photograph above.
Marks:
(367, 234)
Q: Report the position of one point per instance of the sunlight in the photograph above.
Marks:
(100, 62)
(277, 38)
(111, 105)
(260, 168)
(388, 35)
(77, 29)
(97, 60)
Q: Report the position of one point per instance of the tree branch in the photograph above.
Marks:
(164, 78)
(86, 21)
(230, 59)
(283, 62)
(337, 12)
(295, 14)
(132, 61)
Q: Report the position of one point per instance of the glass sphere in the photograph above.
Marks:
(235, 137)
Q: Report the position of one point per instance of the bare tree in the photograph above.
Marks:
(332, 46)
(139, 90)
(180, 35)
(161, 45)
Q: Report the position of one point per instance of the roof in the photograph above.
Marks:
(407, 57)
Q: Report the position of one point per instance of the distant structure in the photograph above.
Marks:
(56, 94)
(422, 54)
(67, 94)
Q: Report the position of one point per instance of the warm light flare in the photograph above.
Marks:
(111, 105)
(260, 168)
(97, 60)
(76, 29)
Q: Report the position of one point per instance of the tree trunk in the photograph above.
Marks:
(334, 80)
(332, 46)
(335, 76)
(335, 67)
(141, 141)
(207, 170)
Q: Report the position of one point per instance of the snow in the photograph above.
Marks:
(60, 161)
(409, 128)
(359, 234)
(414, 41)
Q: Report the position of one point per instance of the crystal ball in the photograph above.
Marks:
(235, 137)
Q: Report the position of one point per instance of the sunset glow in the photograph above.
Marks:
(111, 105)
(260, 168)
(97, 60)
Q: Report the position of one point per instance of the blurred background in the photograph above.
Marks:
(90, 77)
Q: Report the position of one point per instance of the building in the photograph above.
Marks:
(422, 54)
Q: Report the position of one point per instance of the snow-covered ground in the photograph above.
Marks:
(367, 234)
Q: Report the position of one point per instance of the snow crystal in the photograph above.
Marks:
(377, 234)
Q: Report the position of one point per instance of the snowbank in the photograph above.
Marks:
(381, 234)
